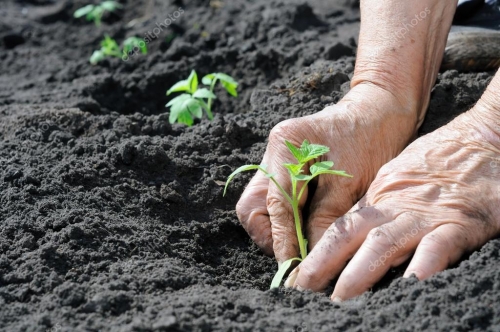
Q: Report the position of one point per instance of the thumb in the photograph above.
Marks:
(330, 201)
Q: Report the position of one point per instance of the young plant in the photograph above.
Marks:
(110, 48)
(185, 107)
(95, 12)
(304, 155)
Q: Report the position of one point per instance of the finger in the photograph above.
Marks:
(339, 243)
(438, 250)
(330, 201)
(281, 215)
(385, 246)
(252, 212)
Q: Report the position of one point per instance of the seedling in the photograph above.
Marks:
(190, 104)
(110, 48)
(95, 12)
(304, 155)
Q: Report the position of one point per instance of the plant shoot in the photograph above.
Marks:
(94, 12)
(304, 156)
(189, 105)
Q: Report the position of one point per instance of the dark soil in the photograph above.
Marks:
(111, 219)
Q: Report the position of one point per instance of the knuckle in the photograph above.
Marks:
(344, 227)
(308, 275)
(276, 204)
(242, 211)
(380, 238)
(282, 130)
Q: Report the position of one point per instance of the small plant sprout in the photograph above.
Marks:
(304, 155)
(189, 105)
(110, 48)
(95, 12)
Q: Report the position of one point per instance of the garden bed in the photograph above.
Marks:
(112, 219)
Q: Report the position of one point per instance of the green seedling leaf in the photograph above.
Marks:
(243, 168)
(97, 56)
(95, 12)
(204, 93)
(230, 88)
(131, 42)
(303, 177)
(178, 99)
(225, 78)
(333, 172)
(185, 118)
(294, 169)
(83, 11)
(278, 277)
(296, 152)
(320, 166)
(193, 81)
(183, 109)
(179, 86)
(111, 5)
(312, 151)
(207, 79)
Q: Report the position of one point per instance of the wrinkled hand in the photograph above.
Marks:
(435, 201)
(364, 131)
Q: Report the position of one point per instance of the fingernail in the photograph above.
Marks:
(299, 288)
(336, 299)
(291, 278)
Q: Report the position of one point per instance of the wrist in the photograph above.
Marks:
(380, 118)
(377, 102)
(485, 115)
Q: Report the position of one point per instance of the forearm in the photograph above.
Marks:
(401, 45)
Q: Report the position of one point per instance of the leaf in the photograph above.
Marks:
(185, 108)
(187, 104)
(278, 277)
(240, 169)
(83, 11)
(95, 15)
(230, 88)
(323, 167)
(297, 153)
(333, 172)
(131, 42)
(312, 151)
(303, 177)
(294, 169)
(193, 81)
(111, 5)
(179, 86)
(207, 79)
(226, 78)
(97, 56)
(178, 99)
(109, 44)
(204, 93)
(195, 109)
(173, 117)
(185, 118)
(320, 165)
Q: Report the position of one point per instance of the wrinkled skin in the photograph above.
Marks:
(436, 200)
(349, 128)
